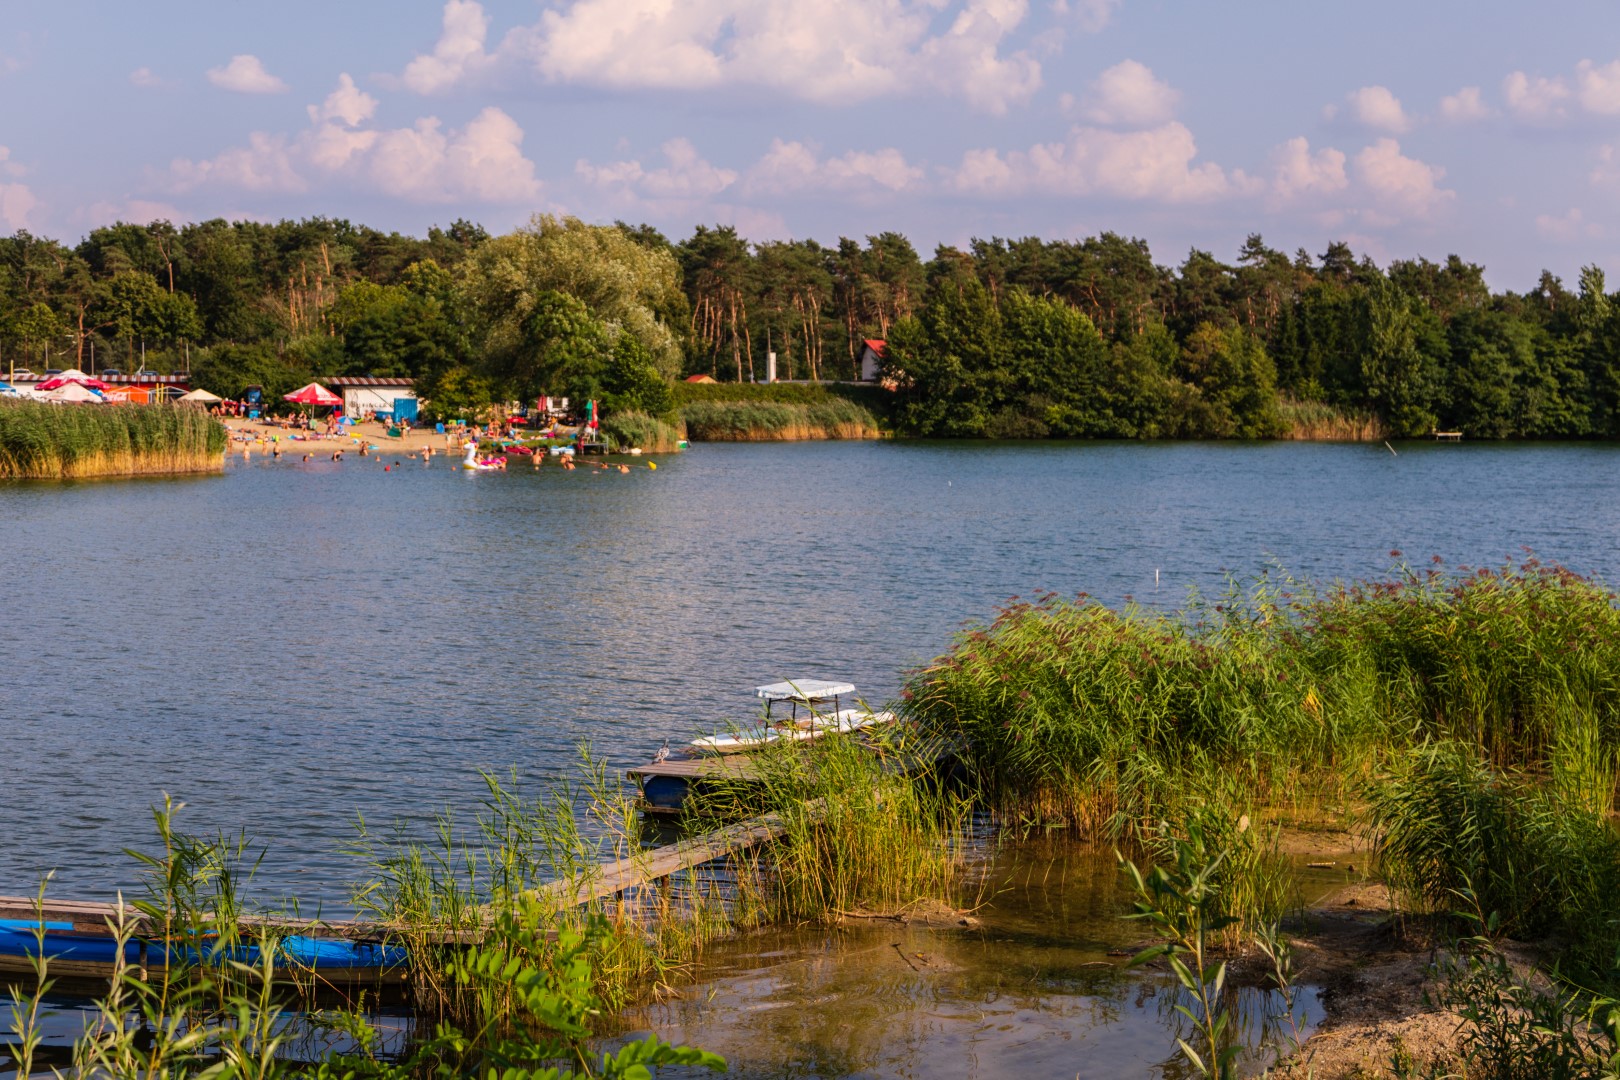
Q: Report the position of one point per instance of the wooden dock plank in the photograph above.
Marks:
(607, 880)
(718, 767)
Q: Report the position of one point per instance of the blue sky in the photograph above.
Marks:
(1417, 128)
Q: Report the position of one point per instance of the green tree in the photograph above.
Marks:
(624, 285)
(1236, 382)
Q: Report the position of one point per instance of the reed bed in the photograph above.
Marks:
(1320, 422)
(778, 421)
(39, 440)
(1518, 853)
(1068, 711)
(641, 430)
(866, 830)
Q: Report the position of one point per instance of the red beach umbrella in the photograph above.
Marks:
(314, 394)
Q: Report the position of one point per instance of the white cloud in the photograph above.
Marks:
(1535, 99)
(1130, 94)
(348, 104)
(1566, 227)
(1465, 105)
(1375, 107)
(1399, 183)
(795, 168)
(459, 50)
(245, 74)
(17, 202)
(264, 165)
(1156, 164)
(144, 78)
(1598, 88)
(686, 176)
(481, 162)
(1296, 171)
(833, 52)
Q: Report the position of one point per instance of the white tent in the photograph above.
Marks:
(73, 392)
(199, 395)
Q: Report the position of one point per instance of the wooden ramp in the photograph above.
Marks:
(656, 864)
(605, 881)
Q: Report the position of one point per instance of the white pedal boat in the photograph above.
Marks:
(813, 694)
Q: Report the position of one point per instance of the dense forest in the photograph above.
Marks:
(1008, 338)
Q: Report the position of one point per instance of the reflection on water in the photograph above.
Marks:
(292, 644)
(1033, 991)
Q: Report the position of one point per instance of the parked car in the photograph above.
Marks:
(114, 372)
(52, 371)
(23, 373)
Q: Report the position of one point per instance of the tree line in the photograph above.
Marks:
(1005, 338)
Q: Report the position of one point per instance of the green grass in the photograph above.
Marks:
(40, 440)
(1070, 711)
(637, 429)
(744, 421)
(1508, 849)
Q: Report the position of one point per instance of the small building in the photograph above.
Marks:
(367, 394)
(871, 359)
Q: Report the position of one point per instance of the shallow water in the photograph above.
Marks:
(1032, 991)
(291, 645)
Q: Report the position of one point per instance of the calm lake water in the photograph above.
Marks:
(290, 645)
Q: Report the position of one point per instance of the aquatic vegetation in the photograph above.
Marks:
(637, 429)
(1070, 711)
(531, 855)
(865, 830)
(765, 421)
(1319, 421)
(1507, 850)
(39, 440)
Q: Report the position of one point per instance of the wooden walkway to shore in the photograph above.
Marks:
(608, 880)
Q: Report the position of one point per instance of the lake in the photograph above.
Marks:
(290, 645)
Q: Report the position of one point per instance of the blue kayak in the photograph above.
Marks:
(90, 952)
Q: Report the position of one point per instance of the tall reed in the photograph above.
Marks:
(776, 421)
(1318, 421)
(637, 429)
(1070, 711)
(529, 854)
(39, 440)
(864, 829)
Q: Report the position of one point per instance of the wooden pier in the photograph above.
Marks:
(95, 919)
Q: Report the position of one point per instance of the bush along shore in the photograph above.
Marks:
(1466, 725)
(44, 441)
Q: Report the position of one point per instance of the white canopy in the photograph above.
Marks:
(199, 395)
(74, 392)
(804, 690)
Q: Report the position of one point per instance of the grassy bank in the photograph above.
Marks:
(1320, 422)
(1071, 711)
(780, 412)
(44, 441)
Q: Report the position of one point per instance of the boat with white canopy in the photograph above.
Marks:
(815, 709)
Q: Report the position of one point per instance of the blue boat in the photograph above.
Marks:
(74, 951)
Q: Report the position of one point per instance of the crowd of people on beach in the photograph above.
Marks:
(291, 437)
